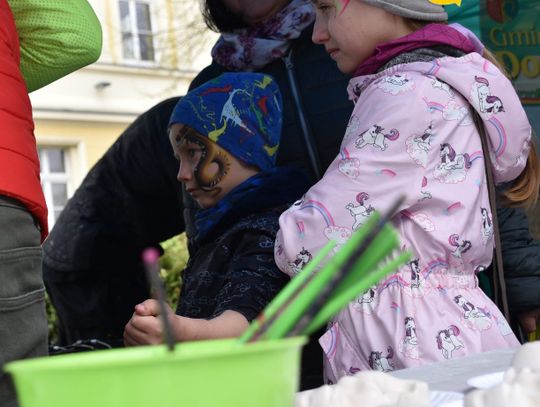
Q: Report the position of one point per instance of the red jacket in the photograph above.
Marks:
(19, 163)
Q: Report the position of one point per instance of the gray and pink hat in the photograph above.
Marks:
(414, 9)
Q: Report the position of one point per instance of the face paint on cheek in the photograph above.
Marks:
(213, 166)
(223, 165)
(220, 169)
(341, 6)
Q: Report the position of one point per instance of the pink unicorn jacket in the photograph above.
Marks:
(411, 133)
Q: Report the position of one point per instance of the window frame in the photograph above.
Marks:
(135, 33)
(48, 178)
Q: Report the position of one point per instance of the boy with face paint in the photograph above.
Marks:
(225, 135)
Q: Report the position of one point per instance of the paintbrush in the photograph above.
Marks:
(151, 264)
(309, 292)
(338, 301)
(284, 298)
(305, 292)
(340, 275)
(284, 312)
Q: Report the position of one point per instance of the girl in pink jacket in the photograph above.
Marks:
(416, 86)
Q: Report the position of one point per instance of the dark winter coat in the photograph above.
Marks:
(234, 271)
(233, 266)
(521, 260)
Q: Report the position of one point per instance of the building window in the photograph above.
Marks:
(136, 27)
(54, 179)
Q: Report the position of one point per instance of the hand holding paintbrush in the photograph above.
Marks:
(154, 322)
(150, 323)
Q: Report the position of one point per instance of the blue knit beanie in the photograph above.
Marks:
(240, 112)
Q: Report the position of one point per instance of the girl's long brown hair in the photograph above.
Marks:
(523, 191)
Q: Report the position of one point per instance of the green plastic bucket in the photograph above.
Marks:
(217, 373)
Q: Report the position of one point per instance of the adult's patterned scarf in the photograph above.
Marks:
(251, 48)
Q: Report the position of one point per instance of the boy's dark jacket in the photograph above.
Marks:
(233, 263)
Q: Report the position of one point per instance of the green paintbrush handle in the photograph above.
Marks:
(286, 293)
(376, 247)
(383, 244)
(337, 302)
(286, 321)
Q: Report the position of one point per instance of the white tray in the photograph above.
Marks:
(486, 381)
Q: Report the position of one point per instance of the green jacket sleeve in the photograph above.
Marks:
(56, 37)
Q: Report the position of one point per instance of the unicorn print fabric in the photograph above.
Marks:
(431, 153)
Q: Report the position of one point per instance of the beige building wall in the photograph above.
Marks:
(77, 118)
(86, 140)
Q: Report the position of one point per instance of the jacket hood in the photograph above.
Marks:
(488, 92)
(432, 35)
